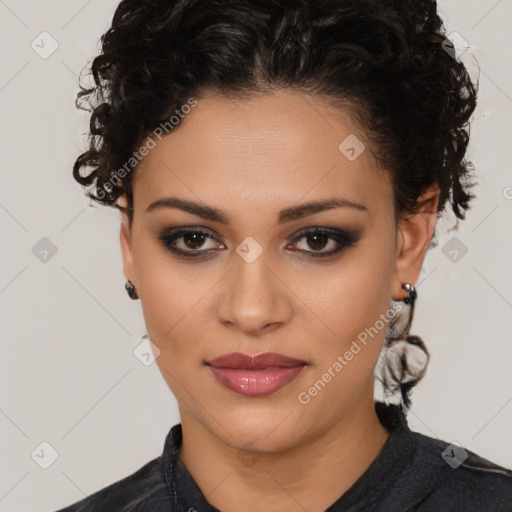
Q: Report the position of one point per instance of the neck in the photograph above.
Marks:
(312, 475)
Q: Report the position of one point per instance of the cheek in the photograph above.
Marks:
(354, 293)
(167, 297)
(170, 306)
(353, 303)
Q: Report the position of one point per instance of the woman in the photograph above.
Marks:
(280, 167)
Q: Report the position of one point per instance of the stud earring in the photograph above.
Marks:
(132, 292)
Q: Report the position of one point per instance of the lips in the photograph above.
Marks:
(255, 375)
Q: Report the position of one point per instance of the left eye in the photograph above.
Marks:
(319, 239)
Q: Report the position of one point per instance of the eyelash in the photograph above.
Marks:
(344, 239)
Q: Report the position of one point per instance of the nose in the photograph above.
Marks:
(254, 298)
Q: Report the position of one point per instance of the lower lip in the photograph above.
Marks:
(256, 382)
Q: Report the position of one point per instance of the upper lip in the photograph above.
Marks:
(254, 362)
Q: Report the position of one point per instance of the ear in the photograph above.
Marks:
(125, 237)
(415, 232)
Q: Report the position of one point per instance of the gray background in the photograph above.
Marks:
(68, 373)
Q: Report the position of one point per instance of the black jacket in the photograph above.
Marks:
(412, 472)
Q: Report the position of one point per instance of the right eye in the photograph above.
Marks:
(187, 242)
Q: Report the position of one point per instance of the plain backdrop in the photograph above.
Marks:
(69, 377)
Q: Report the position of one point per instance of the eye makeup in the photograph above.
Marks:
(187, 242)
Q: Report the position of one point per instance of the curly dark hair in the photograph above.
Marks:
(386, 60)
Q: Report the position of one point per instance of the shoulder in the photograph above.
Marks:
(144, 490)
(460, 478)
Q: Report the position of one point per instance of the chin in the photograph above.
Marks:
(265, 428)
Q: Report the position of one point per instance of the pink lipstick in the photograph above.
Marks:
(255, 375)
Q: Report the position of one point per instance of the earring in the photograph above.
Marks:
(132, 292)
(407, 356)
(411, 289)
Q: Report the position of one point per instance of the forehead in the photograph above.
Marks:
(275, 148)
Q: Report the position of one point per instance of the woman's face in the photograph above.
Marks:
(255, 283)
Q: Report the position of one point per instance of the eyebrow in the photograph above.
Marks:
(286, 215)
